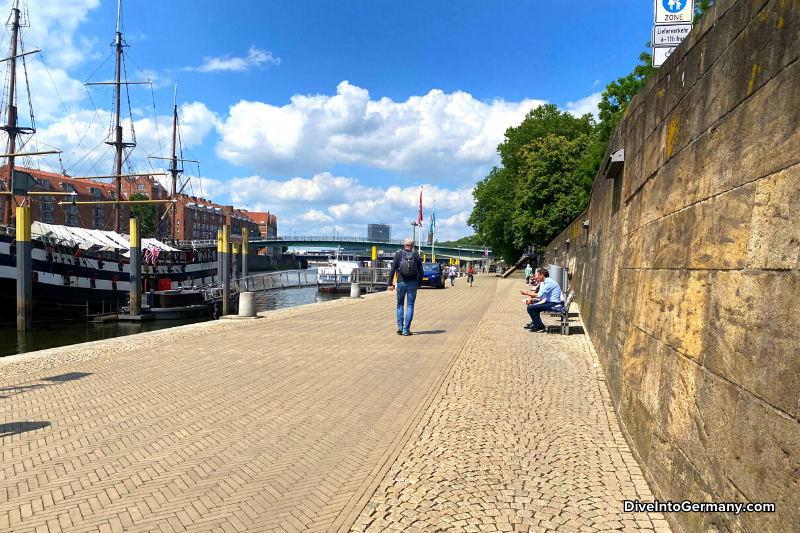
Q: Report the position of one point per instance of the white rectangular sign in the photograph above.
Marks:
(674, 11)
(671, 35)
(661, 54)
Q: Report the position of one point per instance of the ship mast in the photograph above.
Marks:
(174, 170)
(118, 129)
(11, 124)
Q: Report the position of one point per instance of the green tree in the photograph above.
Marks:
(550, 193)
(146, 213)
(700, 9)
(469, 240)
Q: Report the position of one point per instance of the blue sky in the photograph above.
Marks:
(329, 114)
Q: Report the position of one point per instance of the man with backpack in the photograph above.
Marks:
(408, 267)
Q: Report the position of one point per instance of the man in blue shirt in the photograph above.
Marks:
(548, 297)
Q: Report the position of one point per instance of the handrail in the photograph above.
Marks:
(306, 238)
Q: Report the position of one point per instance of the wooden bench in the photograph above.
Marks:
(564, 313)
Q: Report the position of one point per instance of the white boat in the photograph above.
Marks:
(337, 276)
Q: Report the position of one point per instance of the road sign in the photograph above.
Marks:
(661, 54)
(674, 11)
(671, 35)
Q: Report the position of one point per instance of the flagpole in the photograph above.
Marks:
(433, 231)
(420, 220)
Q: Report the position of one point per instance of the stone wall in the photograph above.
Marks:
(686, 268)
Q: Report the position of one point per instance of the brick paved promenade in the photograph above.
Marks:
(323, 421)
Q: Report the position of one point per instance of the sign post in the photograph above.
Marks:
(673, 22)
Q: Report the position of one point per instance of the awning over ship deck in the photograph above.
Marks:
(91, 238)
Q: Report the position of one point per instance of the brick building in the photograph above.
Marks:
(197, 218)
(46, 208)
(268, 226)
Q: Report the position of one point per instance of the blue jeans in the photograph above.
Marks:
(406, 288)
(535, 309)
(452, 281)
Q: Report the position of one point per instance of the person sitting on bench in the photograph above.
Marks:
(548, 297)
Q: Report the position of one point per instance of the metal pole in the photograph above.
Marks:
(11, 125)
(136, 268)
(245, 252)
(225, 276)
(24, 270)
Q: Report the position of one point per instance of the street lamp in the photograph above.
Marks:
(415, 224)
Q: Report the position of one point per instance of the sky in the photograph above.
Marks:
(332, 115)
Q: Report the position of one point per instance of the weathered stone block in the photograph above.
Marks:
(775, 229)
(765, 465)
(673, 308)
(752, 337)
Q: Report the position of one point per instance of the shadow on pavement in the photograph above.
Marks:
(431, 332)
(15, 428)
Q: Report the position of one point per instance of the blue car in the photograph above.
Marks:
(432, 275)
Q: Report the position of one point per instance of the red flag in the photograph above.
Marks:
(420, 207)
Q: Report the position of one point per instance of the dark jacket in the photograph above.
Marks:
(396, 267)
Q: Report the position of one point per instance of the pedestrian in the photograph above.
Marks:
(528, 274)
(408, 267)
(452, 275)
(470, 275)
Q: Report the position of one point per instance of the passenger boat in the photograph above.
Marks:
(337, 276)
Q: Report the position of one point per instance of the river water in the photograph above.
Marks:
(54, 335)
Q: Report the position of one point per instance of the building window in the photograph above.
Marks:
(47, 218)
(47, 207)
(98, 212)
(95, 192)
(140, 187)
(68, 187)
(99, 223)
(71, 209)
(72, 220)
(112, 194)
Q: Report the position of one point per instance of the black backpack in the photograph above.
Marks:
(408, 265)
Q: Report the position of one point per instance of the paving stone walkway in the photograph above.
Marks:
(323, 421)
(520, 438)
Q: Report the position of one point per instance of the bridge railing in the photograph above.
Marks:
(394, 242)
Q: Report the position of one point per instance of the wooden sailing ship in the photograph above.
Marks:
(80, 272)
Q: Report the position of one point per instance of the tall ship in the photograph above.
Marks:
(81, 269)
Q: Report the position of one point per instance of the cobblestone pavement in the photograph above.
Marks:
(521, 437)
(283, 425)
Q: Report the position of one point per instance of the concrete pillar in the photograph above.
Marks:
(136, 268)
(247, 304)
(24, 270)
(225, 275)
(355, 286)
(245, 252)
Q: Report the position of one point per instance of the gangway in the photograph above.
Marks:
(370, 278)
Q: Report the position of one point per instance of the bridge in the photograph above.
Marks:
(470, 253)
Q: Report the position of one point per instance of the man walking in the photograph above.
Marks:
(548, 297)
(408, 267)
(528, 274)
(452, 275)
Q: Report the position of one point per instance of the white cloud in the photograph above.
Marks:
(256, 57)
(312, 215)
(434, 134)
(302, 204)
(585, 105)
